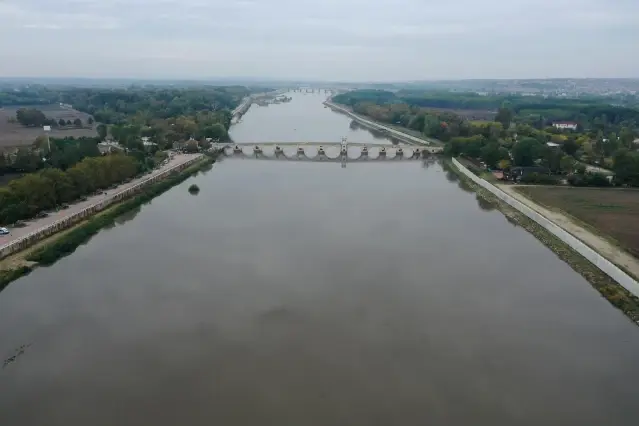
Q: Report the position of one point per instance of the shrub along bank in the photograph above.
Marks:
(69, 242)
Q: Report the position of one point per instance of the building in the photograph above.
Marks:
(109, 146)
(565, 125)
(516, 173)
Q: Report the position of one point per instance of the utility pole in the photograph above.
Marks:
(47, 130)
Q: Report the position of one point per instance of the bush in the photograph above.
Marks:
(589, 179)
(539, 178)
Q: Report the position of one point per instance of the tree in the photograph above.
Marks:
(626, 137)
(570, 147)
(102, 131)
(491, 154)
(626, 167)
(3, 164)
(26, 161)
(567, 164)
(503, 164)
(61, 122)
(69, 122)
(216, 132)
(77, 122)
(504, 116)
(525, 152)
(191, 146)
(31, 117)
(204, 144)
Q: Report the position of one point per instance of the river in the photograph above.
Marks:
(307, 294)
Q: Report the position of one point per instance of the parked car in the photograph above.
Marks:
(4, 231)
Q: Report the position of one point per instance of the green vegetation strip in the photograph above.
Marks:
(12, 274)
(67, 244)
(618, 296)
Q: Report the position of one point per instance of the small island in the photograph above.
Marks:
(194, 189)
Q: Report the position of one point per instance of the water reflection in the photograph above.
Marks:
(305, 294)
(129, 215)
(484, 204)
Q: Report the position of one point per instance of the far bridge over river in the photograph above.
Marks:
(327, 151)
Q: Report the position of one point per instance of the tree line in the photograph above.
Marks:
(60, 153)
(589, 113)
(510, 140)
(25, 197)
(33, 117)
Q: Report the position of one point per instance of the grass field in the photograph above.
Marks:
(14, 134)
(613, 213)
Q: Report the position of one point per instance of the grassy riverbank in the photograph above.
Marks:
(405, 130)
(67, 242)
(606, 286)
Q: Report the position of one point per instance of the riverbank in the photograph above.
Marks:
(610, 289)
(62, 244)
(392, 130)
(39, 228)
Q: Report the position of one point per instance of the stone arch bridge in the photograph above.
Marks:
(327, 151)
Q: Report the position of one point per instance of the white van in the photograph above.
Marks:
(4, 231)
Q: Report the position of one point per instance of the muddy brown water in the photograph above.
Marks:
(309, 294)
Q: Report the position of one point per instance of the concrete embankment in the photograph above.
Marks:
(404, 137)
(600, 262)
(75, 217)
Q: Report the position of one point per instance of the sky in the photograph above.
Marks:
(334, 40)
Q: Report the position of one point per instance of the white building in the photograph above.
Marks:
(565, 125)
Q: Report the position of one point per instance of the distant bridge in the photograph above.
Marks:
(326, 151)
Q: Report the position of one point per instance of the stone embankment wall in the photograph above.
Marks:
(70, 220)
(607, 267)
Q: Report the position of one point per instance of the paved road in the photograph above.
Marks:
(35, 224)
(599, 244)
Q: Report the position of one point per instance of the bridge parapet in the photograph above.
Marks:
(367, 145)
(306, 152)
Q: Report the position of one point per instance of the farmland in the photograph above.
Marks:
(612, 213)
(13, 134)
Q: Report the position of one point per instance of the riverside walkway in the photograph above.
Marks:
(36, 225)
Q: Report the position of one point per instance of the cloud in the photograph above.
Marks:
(329, 39)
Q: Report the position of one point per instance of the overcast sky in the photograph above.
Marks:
(378, 40)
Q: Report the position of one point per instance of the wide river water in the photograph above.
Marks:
(300, 294)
